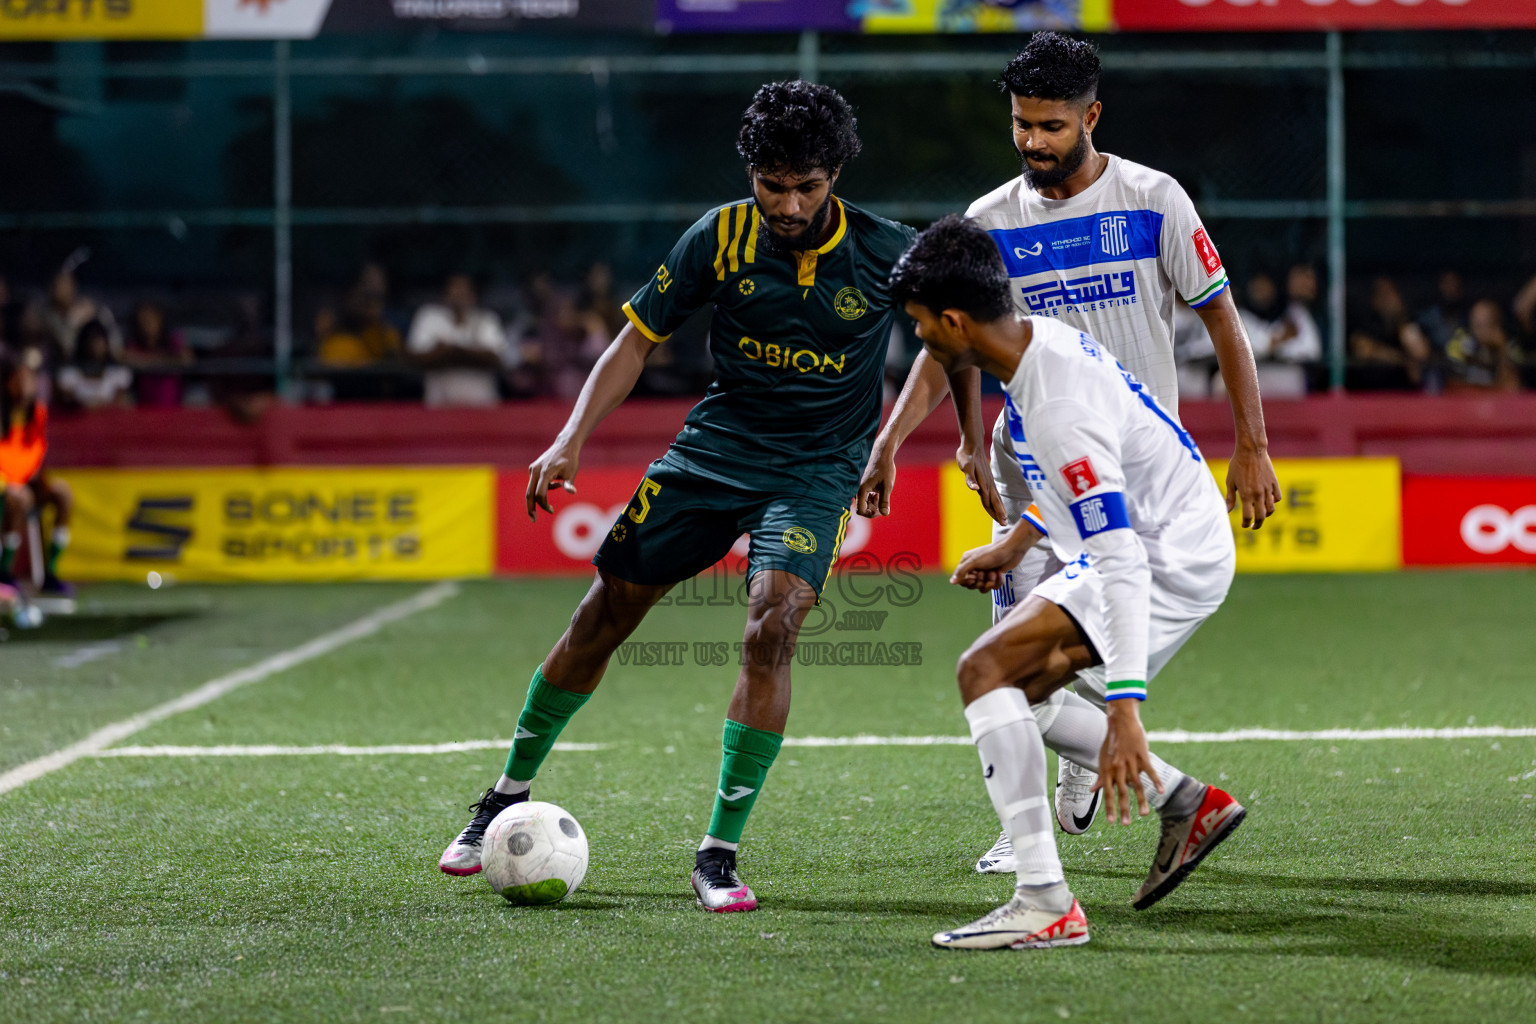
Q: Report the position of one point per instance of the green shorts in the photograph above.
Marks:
(679, 524)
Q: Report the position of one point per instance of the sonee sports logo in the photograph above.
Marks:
(1488, 529)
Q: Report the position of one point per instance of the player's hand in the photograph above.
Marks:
(1251, 479)
(876, 486)
(1123, 759)
(983, 568)
(978, 477)
(555, 468)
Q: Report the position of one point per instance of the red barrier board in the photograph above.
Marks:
(1306, 15)
(1450, 520)
(563, 544)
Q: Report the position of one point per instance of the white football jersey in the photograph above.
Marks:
(1109, 261)
(1117, 480)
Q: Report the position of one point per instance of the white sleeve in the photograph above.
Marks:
(1307, 344)
(423, 327)
(1079, 451)
(488, 333)
(1187, 255)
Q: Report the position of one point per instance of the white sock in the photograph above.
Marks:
(1013, 762)
(711, 843)
(11, 541)
(61, 536)
(1075, 729)
(508, 786)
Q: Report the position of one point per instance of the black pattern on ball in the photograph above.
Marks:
(569, 827)
(520, 843)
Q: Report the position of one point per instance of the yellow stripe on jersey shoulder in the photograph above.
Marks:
(634, 318)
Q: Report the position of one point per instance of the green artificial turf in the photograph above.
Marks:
(1373, 881)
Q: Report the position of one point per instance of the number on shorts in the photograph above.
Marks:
(648, 487)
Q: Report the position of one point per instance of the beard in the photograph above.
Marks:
(1061, 169)
(800, 241)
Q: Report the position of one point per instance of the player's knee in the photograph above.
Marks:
(978, 671)
(767, 641)
(61, 496)
(18, 500)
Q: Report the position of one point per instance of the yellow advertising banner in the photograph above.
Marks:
(280, 524)
(101, 19)
(1337, 515)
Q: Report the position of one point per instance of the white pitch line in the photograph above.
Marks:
(271, 750)
(215, 688)
(1157, 737)
(1184, 736)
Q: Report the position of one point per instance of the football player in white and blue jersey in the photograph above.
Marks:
(1103, 245)
(1140, 531)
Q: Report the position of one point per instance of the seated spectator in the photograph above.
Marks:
(1479, 357)
(24, 485)
(155, 353)
(1448, 315)
(597, 298)
(460, 346)
(361, 336)
(569, 343)
(248, 392)
(67, 311)
(1387, 350)
(1524, 309)
(95, 378)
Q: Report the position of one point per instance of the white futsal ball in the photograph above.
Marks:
(534, 852)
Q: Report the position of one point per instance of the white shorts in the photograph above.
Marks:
(1191, 572)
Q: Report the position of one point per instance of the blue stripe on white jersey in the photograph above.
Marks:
(1110, 237)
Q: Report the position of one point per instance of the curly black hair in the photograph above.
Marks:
(798, 127)
(1054, 67)
(954, 264)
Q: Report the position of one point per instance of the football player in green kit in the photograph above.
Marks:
(798, 279)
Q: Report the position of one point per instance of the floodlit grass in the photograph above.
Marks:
(1381, 881)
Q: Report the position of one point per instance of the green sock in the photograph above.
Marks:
(8, 553)
(56, 546)
(749, 753)
(547, 710)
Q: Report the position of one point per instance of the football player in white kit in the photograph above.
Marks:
(1140, 530)
(1103, 245)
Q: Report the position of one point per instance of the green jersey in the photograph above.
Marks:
(798, 340)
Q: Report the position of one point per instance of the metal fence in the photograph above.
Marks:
(275, 161)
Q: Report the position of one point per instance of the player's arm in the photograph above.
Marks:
(1250, 475)
(1191, 261)
(609, 383)
(924, 389)
(983, 568)
(679, 288)
(1079, 450)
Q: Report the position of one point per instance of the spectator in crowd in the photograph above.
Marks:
(1480, 357)
(1388, 350)
(598, 299)
(1448, 314)
(460, 346)
(246, 394)
(1524, 309)
(67, 311)
(25, 486)
(94, 378)
(361, 336)
(569, 343)
(11, 311)
(156, 354)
